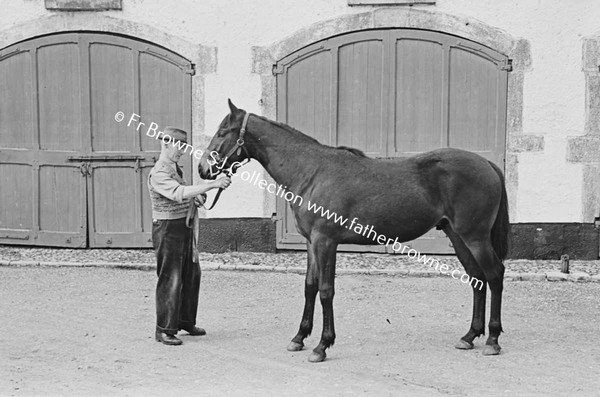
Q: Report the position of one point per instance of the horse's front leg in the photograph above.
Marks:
(325, 253)
(311, 287)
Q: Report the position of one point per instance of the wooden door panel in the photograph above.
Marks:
(472, 101)
(112, 90)
(17, 193)
(61, 185)
(16, 101)
(419, 97)
(61, 190)
(396, 93)
(164, 100)
(361, 88)
(118, 217)
(309, 93)
(161, 98)
(62, 196)
(59, 100)
(112, 205)
(152, 83)
(16, 198)
(156, 85)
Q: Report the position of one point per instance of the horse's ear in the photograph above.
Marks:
(232, 106)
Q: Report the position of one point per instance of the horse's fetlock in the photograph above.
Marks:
(478, 331)
(328, 339)
(495, 330)
(306, 327)
(299, 339)
(495, 326)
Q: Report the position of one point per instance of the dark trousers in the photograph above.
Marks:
(178, 276)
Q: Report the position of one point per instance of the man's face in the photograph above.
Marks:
(173, 151)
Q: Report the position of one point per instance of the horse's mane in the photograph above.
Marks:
(289, 129)
(300, 134)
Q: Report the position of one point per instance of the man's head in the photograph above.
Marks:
(174, 143)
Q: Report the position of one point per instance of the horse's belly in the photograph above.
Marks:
(384, 233)
(370, 221)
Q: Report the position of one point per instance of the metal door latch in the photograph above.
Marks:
(84, 168)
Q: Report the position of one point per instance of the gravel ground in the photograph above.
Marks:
(89, 332)
(284, 259)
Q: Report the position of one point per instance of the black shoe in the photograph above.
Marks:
(167, 339)
(194, 331)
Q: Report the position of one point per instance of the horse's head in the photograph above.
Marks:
(227, 149)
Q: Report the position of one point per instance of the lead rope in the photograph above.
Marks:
(239, 145)
(193, 210)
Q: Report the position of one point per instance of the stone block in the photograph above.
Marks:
(578, 276)
(556, 276)
(83, 5)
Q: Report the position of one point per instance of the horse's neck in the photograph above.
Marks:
(287, 156)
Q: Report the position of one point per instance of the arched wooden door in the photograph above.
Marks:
(394, 93)
(70, 174)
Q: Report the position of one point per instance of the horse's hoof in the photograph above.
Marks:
(295, 346)
(316, 357)
(464, 345)
(491, 350)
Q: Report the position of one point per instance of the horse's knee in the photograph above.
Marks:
(494, 274)
(326, 294)
(310, 290)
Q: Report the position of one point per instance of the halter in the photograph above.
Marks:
(238, 147)
(239, 144)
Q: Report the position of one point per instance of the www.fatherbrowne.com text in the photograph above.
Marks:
(365, 231)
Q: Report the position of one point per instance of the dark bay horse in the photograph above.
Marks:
(456, 191)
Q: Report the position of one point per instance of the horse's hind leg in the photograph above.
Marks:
(493, 269)
(325, 253)
(479, 289)
(311, 287)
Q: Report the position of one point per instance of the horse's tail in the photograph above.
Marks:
(501, 226)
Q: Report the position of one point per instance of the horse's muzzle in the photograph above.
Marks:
(206, 172)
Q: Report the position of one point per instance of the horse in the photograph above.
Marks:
(454, 190)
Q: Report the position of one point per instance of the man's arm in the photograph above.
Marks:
(196, 190)
(166, 186)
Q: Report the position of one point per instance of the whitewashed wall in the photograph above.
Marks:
(549, 188)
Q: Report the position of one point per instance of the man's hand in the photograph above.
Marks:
(223, 182)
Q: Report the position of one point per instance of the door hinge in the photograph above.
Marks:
(277, 70)
(190, 69)
(507, 65)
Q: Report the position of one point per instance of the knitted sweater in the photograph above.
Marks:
(166, 191)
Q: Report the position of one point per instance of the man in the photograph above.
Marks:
(178, 276)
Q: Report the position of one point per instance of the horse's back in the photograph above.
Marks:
(452, 157)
